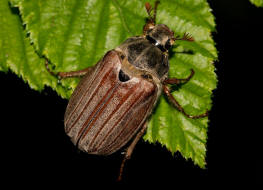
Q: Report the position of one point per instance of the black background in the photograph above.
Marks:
(34, 147)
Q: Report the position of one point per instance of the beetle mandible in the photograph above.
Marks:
(114, 99)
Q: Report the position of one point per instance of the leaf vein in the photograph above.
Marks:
(69, 30)
(124, 23)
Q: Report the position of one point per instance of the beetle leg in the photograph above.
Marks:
(179, 107)
(130, 149)
(79, 73)
(62, 75)
(179, 81)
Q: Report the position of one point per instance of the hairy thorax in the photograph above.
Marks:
(145, 56)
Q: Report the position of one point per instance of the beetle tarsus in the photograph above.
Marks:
(48, 69)
(121, 169)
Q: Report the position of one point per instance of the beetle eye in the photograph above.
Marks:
(167, 44)
(123, 77)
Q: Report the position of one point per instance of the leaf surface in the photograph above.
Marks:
(19, 56)
(258, 3)
(75, 34)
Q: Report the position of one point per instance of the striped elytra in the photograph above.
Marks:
(109, 106)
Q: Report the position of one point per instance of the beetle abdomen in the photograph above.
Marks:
(108, 107)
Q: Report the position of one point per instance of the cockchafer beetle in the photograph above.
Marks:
(114, 99)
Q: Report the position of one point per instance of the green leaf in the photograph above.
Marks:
(258, 3)
(19, 56)
(75, 34)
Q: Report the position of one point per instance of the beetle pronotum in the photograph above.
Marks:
(115, 98)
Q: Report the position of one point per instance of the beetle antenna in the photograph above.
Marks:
(155, 10)
(149, 10)
(186, 37)
(151, 20)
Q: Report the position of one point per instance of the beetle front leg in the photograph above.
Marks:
(130, 149)
(179, 107)
(62, 75)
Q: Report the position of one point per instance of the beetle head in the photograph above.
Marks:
(161, 36)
